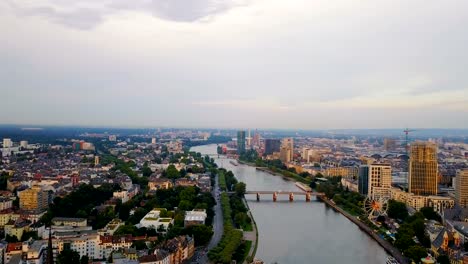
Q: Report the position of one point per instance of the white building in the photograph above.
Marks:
(24, 144)
(153, 220)
(7, 143)
(195, 217)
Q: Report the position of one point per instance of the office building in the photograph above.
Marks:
(153, 141)
(7, 143)
(272, 146)
(287, 145)
(34, 199)
(240, 142)
(389, 144)
(96, 160)
(423, 168)
(285, 154)
(363, 179)
(461, 188)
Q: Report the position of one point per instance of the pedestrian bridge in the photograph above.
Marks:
(291, 194)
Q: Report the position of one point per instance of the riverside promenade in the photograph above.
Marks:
(382, 242)
(251, 235)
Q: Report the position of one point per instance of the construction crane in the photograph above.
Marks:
(407, 131)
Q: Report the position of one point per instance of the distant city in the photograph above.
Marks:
(142, 196)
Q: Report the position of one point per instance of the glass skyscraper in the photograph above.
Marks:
(241, 142)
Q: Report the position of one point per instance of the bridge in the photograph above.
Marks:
(291, 194)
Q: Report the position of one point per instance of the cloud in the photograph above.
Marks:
(87, 14)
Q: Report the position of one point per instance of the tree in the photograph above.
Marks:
(68, 256)
(443, 259)
(397, 210)
(240, 188)
(185, 205)
(146, 171)
(416, 253)
(139, 244)
(84, 259)
(201, 233)
(430, 214)
(172, 172)
(404, 242)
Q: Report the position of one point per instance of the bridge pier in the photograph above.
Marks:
(275, 196)
(291, 197)
(258, 197)
(308, 197)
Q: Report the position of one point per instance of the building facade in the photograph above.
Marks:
(34, 199)
(423, 168)
(240, 142)
(461, 188)
(272, 145)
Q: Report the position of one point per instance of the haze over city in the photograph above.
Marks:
(263, 64)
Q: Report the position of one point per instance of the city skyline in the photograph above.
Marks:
(262, 64)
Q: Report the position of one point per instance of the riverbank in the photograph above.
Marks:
(251, 236)
(382, 242)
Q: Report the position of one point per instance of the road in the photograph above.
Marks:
(218, 227)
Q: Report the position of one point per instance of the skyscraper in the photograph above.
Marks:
(272, 145)
(423, 168)
(240, 142)
(461, 188)
(287, 145)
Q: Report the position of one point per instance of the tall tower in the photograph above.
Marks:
(423, 168)
(461, 188)
(287, 145)
(240, 142)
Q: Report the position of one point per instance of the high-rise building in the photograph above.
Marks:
(272, 145)
(7, 143)
(363, 179)
(461, 188)
(96, 160)
(153, 141)
(423, 168)
(389, 144)
(285, 155)
(288, 145)
(379, 180)
(24, 144)
(240, 142)
(34, 199)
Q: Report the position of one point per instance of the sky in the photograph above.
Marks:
(296, 64)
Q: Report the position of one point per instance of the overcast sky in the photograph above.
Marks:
(235, 64)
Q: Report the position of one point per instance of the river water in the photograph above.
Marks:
(299, 232)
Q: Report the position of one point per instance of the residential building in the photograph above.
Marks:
(34, 199)
(5, 203)
(379, 181)
(240, 142)
(423, 168)
(461, 188)
(180, 249)
(159, 183)
(159, 257)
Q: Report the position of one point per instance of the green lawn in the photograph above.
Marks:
(247, 227)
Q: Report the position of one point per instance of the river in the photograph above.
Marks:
(299, 232)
